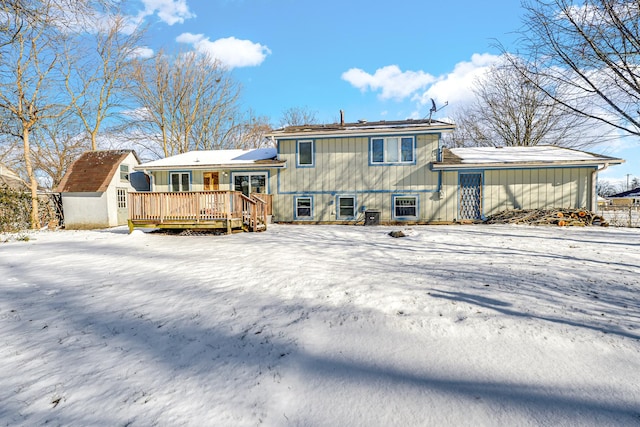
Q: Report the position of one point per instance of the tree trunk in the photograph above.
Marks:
(35, 221)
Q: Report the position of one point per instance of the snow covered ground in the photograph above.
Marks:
(322, 326)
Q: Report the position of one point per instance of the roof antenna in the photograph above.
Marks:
(434, 109)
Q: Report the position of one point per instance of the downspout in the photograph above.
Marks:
(594, 181)
(439, 159)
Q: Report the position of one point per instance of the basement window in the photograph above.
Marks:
(304, 207)
(346, 207)
(405, 207)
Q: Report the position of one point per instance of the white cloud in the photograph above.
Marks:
(390, 80)
(169, 11)
(232, 52)
(456, 86)
(143, 52)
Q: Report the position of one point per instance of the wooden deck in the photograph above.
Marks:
(226, 210)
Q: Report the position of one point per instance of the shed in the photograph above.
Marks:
(95, 189)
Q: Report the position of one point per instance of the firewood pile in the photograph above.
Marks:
(559, 217)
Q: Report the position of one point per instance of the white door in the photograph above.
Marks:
(123, 206)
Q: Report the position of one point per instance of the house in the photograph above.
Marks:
(229, 189)
(95, 189)
(626, 198)
(383, 172)
(488, 180)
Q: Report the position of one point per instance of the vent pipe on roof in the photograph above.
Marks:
(341, 118)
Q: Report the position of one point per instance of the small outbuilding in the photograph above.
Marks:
(95, 189)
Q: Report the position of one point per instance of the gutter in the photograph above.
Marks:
(524, 165)
(278, 165)
(594, 182)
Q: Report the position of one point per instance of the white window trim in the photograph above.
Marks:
(295, 207)
(405, 196)
(250, 174)
(126, 172)
(179, 173)
(313, 153)
(355, 206)
(385, 161)
(121, 196)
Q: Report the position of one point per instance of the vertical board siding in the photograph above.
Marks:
(342, 168)
(536, 189)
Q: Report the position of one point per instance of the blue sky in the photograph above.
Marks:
(375, 60)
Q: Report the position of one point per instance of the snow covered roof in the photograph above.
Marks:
(217, 159)
(536, 156)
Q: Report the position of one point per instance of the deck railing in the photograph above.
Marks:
(197, 206)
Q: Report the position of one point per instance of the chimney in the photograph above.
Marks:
(341, 118)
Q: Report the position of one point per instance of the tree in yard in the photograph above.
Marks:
(509, 110)
(606, 188)
(185, 103)
(101, 70)
(298, 116)
(250, 132)
(585, 55)
(58, 143)
(32, 74)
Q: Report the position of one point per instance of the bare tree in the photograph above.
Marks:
(100, 76)
(58, 144)
(586, 55)
(298, 116)
(251, 132)
(189, 102)
(31, 76)
(606, 188)
(510, 110)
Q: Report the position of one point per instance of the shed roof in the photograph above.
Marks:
(535, 156)
(207, 159)
(92, 171)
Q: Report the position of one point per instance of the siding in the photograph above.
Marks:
(536, 189)
(342, 167)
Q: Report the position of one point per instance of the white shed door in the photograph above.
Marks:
(123, 206)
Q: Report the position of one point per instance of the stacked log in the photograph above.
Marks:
(560, 217)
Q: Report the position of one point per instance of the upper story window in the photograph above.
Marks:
(124, 172)
(180, 181)
(393, 150)
(305, 154)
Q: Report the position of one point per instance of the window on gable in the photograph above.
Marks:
(346, 207)
(392, 150)
(304, 207)
(124, 172)
(305, 153)
(180, 181)
(405, 206)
